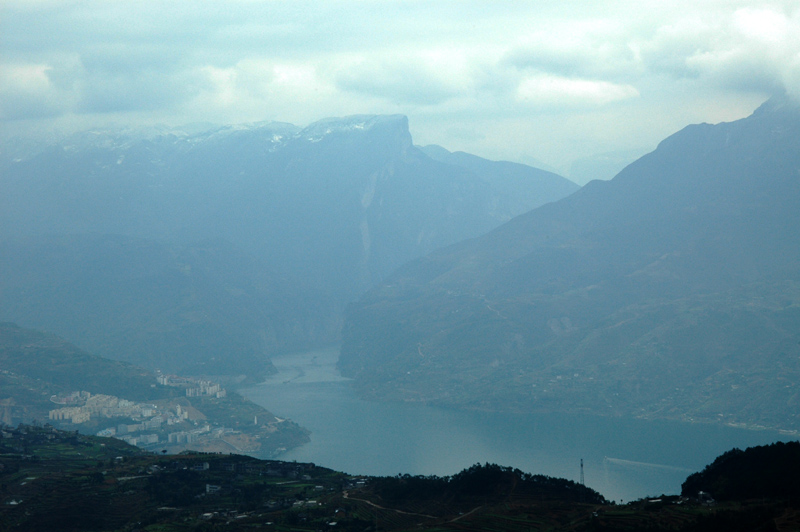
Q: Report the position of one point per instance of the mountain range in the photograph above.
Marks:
(672, 290)
(207, 251)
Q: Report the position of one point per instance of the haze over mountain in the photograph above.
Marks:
(205, 308)
(670, 291)
(210, 250)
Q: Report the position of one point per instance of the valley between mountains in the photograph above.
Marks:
(669, 292)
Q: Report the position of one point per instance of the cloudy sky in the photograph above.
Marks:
(555, 82)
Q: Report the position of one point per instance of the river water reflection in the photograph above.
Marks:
(623, 459)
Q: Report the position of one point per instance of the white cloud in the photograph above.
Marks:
(764, 25)
(467, 71)
(547, 90)
(425, 78)
(597, 50)
(748, 49)
(26, 78)
(27, 91)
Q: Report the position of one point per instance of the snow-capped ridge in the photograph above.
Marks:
(319, 129)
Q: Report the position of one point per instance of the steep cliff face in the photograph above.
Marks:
(661, 292)
(323, 212)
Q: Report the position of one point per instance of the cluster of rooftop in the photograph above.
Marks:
(194, 387)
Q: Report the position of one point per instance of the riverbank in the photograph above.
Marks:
(623, 458)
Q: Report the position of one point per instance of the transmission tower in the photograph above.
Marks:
(582, 482)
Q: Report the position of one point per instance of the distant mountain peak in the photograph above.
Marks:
(320, 213)
(779, 103)
(680, 274)
(326, 126)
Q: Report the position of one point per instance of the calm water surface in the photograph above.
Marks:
(623, 459)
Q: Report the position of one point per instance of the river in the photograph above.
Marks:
(624, 459)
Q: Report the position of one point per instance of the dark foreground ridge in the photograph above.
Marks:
(766, 471)
(56, 480)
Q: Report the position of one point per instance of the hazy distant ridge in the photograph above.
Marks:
(226, 245)
(670, 291)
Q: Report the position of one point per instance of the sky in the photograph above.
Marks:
(557, 84)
